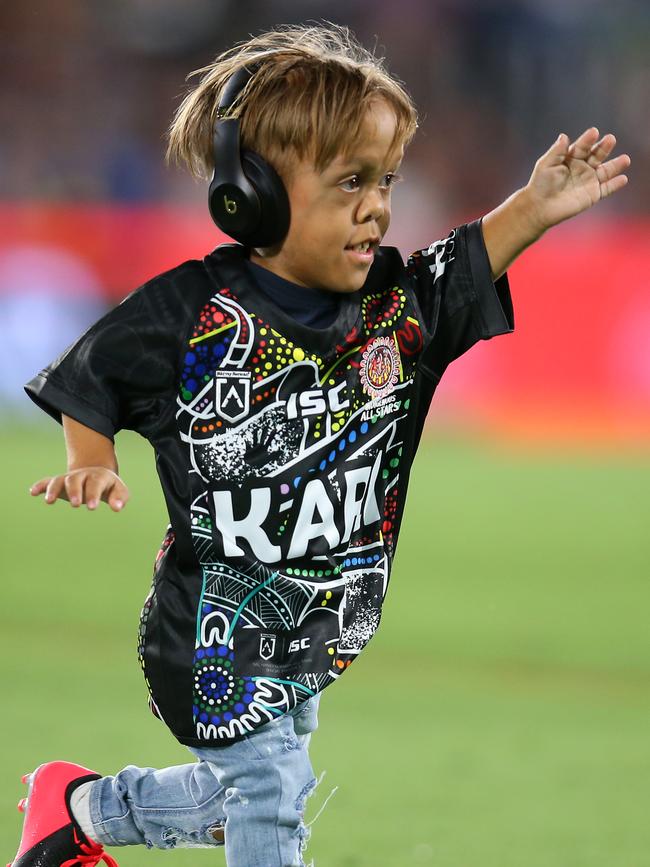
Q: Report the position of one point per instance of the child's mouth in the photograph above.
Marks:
(363, 253)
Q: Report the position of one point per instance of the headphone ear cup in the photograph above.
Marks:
(275, 212)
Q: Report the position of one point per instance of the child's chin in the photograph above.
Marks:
(348, 290)
(353, 284)
(347, 282)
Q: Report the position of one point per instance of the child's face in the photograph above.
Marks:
(347, 203)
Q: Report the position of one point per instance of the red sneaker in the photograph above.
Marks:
(51, 836)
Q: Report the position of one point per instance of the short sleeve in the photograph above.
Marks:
(459, 302)
(119, 371)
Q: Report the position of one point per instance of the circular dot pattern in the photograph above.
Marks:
(217, 690)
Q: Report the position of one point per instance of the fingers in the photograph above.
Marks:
(610, 177)
(39, 487)
(614, 167)
(116, 495)
(96, 484)
(87, 485)
(557, 152)
(612, 186)
(593, 150)
(55, 489)
(107, 486)
(74, 485)
(601, 150)
(581, 147)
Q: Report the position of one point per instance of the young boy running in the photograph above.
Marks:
(283, 382)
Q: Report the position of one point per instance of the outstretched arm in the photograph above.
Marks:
(569, 178)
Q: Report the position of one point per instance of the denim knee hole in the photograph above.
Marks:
(170, 837)
(291, 743)
(216, 827)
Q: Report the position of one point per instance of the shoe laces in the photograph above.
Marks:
(91, 854)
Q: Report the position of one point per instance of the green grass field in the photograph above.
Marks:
(500, 717)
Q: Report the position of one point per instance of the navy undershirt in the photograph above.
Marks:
(317, 308)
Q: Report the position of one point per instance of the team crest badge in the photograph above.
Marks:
(267, 645)
(232, 394)
(379, 369)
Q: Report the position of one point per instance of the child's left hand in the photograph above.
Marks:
(572, 176)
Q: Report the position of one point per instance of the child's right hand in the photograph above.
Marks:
(86, 485)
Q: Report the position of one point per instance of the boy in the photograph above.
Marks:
(283, 382)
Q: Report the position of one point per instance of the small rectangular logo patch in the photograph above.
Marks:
(279, 652)
(232, 394)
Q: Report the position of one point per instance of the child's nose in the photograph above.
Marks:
(372, 206)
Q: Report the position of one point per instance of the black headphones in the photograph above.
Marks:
(247, 198)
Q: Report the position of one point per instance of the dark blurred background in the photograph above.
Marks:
(89, 87)
(89, 210)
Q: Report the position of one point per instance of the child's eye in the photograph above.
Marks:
(352, 184)
(392, 179)
(350, 181)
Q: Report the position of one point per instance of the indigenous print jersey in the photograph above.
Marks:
(284, 454)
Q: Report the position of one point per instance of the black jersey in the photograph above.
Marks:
(284, 454)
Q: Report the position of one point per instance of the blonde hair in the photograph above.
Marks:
(307, 99)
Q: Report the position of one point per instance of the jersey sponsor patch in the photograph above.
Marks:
(265, 652)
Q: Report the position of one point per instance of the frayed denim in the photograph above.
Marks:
(251, 793)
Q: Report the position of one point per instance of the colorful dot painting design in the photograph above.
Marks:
(219, 695)
(273, 352)
(380, 311)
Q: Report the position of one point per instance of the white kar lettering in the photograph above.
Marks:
(315, 516)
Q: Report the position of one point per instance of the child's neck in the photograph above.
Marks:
(271, 264)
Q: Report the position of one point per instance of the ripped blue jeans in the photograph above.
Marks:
(251, 793)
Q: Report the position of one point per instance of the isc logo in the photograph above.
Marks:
(315, 401)
(298, 644)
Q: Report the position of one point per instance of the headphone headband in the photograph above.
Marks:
(234, 86)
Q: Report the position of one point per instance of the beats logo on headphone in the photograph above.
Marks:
(247, 198)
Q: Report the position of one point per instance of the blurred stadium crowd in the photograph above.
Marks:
(88, 87)
(88, 208)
